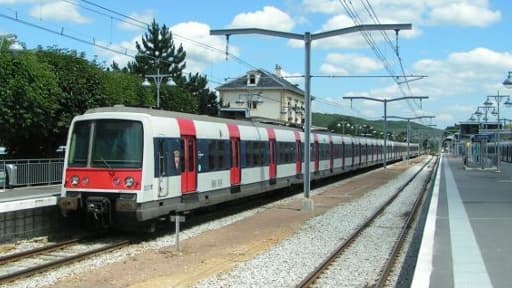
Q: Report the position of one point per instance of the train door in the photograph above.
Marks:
(272, 163)
(343, 155)
(360, 153)
(235, 162)
(366, 151)
(331, 155)
(298, 155)
(189, 172)
(316, 156)
(235, 170)
(272, 166)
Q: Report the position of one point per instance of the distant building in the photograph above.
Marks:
(263, 95)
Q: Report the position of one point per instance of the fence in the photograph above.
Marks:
(27, 172)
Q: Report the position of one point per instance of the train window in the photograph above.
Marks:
(218, 155)
(324, 151)
(191, 162)
(162, 159)
(79, 145)
(286, 152)
(116, 144)
(254, 153)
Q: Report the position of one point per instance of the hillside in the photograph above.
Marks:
(360, 126)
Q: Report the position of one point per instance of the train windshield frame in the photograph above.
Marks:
(106, 143)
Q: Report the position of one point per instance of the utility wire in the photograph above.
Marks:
(138, 23)
(352, 13)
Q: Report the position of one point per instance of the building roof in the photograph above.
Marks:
(267, 80)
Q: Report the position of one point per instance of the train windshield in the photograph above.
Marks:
(106, 144)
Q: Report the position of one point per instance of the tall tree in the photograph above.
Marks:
(157, 50)
(207, 100)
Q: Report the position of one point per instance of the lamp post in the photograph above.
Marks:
(158, 78)
(308, 38)
(342, 125)
(409, 128)
(385, 101)
(479, 114)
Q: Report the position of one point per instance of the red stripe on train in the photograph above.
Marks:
(102, 179)
(187, 127)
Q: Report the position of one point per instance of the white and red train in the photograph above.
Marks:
(129, 166)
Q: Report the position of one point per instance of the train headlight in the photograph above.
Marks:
(75, 180)
(129, 182)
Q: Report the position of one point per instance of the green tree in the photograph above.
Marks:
(207, 100)
(124, 88)
(80, 85)
(157, 50)
(157, 53)
(28, 105)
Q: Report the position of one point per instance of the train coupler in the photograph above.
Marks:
(99, 211)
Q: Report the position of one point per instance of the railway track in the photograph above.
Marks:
(314, 279)
(27, 263)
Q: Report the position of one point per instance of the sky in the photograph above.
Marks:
(457, 53)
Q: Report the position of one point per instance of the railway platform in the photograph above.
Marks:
(28, 197)
(28, 212)
(466, 239)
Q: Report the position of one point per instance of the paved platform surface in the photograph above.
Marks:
(467, 241)
(28, 197)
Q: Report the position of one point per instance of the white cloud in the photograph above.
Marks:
(473, 13)
(19, 1)
(464, 78)
(59, 11)
(268, 18)
(146, 16)
(472, 72)
(200, 54)
(346, 64)
(323, 6)
(464, 14)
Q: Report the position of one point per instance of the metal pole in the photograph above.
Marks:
(177, 232)
(385, 131)
(408, 138)
(498, 159)
(308, 205)
(158, 80)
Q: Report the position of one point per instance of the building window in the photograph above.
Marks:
(252, 79)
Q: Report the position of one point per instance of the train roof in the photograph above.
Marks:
(254, 123)
(173, 114)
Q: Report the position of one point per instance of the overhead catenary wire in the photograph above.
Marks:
(352, 13)
(117, 16)
(93, 41)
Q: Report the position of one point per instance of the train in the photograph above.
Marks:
(505, 150)
(128, 167)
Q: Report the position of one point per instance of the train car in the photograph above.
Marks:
(506, 151)
(127, 167)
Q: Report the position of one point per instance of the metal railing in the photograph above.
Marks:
(27, 172)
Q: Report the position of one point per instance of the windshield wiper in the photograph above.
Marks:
(106, 163)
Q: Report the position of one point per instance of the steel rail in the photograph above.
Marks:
(36, 251)
(59, 262)
(427, 186)
(314, 275)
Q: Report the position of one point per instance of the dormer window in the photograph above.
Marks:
(253, 79)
